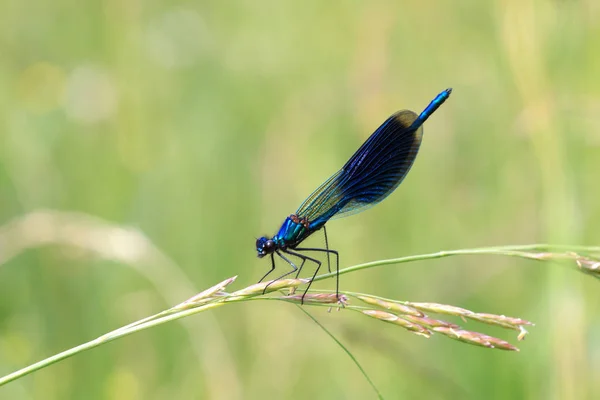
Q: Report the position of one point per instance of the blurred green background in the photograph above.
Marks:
(145, 145)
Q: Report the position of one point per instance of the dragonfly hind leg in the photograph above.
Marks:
(337, 261)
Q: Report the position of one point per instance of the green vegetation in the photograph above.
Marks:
(144, 146)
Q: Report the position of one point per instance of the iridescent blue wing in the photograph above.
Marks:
(371, 174)
(378, 174)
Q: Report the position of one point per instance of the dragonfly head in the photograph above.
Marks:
(265, 246)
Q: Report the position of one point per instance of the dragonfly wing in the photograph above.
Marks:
(382, 165)
(371, 174)
(323, 199)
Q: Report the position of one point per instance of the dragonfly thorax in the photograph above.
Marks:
(293, 231)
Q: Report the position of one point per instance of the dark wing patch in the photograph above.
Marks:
(371, 174)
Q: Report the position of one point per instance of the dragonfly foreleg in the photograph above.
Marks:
(294, 269)
(271, 270)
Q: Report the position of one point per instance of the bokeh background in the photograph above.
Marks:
(144, 145)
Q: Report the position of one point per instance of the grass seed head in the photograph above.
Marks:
(392, 306)
(588, 265)
(430, 322)
(207, 294)
(437, 308)
(394, 319)
(476, 338)
(320, 298)
(273, 286)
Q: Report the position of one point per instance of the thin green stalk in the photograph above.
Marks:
(109, 337)
(345, 350)
(523, 251)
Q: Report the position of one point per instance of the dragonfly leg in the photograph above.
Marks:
(337, 264)
(300, 268)
(304, 258)
(327, 247)
(294, 269)
(271, 270)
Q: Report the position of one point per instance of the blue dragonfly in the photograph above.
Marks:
(369, 176)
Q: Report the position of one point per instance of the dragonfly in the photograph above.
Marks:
(369, 176)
